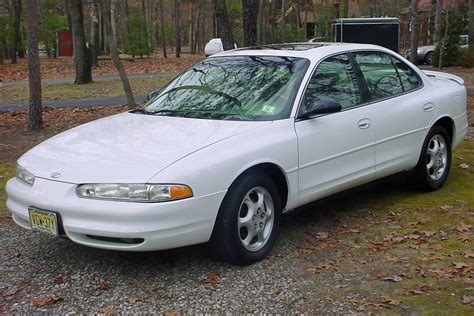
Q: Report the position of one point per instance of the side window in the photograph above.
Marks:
(380, 75)
(410, 79)
(333, 79)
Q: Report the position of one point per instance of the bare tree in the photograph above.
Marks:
(177, 28)
(35, 117)
(162, 29)
(95, 42)
(443, 41)
(249, 21)
(415, 30)
(261, 22)
(82, 56)
(439, 10)
(224, 28)
(283, 20)
(109, 12)
(273, 14)
(471, 27)
(16, 38)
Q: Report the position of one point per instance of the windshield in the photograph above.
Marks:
(235, 88)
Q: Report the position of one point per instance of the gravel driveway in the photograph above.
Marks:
(57, 275)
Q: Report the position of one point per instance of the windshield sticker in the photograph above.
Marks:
(269, 109)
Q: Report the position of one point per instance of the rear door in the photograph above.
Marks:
(402, 111)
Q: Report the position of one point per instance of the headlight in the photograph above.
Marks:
(24, 175)
(134, 192)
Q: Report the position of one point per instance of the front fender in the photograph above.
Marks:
(214, 168)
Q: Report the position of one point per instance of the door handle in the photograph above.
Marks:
(363, 123)
(428, 107)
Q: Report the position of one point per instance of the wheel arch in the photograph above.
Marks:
(448, 124)
(275, 172)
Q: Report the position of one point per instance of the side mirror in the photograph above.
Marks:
(321, 106)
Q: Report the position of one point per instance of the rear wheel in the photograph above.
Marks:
(247, 224)
(429, 58)
(435, 160)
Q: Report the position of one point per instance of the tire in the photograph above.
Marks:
(252, 193)
(429, 58)
(434, 163)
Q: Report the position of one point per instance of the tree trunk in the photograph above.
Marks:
(110, 23)
(439, 10)
(35, 117)
(273, 13)
(345, 8)
(16, 37)
(94, 44)
(82, 58)
(177, 28)
(415, 30)
(162, 29)
(249, 21)
(283, 20)
(471, 27)
(261, 22)
(443, 40)
(224, 28)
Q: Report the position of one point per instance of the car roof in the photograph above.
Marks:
(311, 51)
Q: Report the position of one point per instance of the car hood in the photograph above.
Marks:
(125, 148)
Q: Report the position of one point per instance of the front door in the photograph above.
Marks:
(336, 151)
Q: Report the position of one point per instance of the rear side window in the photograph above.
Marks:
(380, 74)
(408, 76)
(334, 79)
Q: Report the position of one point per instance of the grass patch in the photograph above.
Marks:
(7, 171)
(17, 93)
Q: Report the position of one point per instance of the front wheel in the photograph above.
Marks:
(248, 220)
(435, 160)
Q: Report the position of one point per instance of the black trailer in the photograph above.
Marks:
(379, 31)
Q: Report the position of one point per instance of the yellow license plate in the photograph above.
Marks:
(44, 221)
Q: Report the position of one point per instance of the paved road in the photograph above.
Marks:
(71, 103)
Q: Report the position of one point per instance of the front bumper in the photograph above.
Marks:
(106, 224)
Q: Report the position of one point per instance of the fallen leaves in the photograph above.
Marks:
(468, 254)
(421, 289)
(11, 291)
(465, 237)
(103, 285)
(315, 249)
(137, 298)
(463, 227)
(324, 266)
(50, 300)
(468, 299)
(59, 279)
(390, 301)
(211, 281)
(107, 311)
(464, 166)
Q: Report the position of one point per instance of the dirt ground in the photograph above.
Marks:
(382, 248)
(63, 67)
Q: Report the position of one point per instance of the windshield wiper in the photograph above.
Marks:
(164, 111)
(140, 110)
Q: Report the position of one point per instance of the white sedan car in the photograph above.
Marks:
(235, 141)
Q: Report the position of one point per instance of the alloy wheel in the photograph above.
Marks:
(256, 218)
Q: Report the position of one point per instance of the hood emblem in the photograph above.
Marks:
(55, 175)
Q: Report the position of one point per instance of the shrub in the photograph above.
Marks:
(451, 26)
(136, 40)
